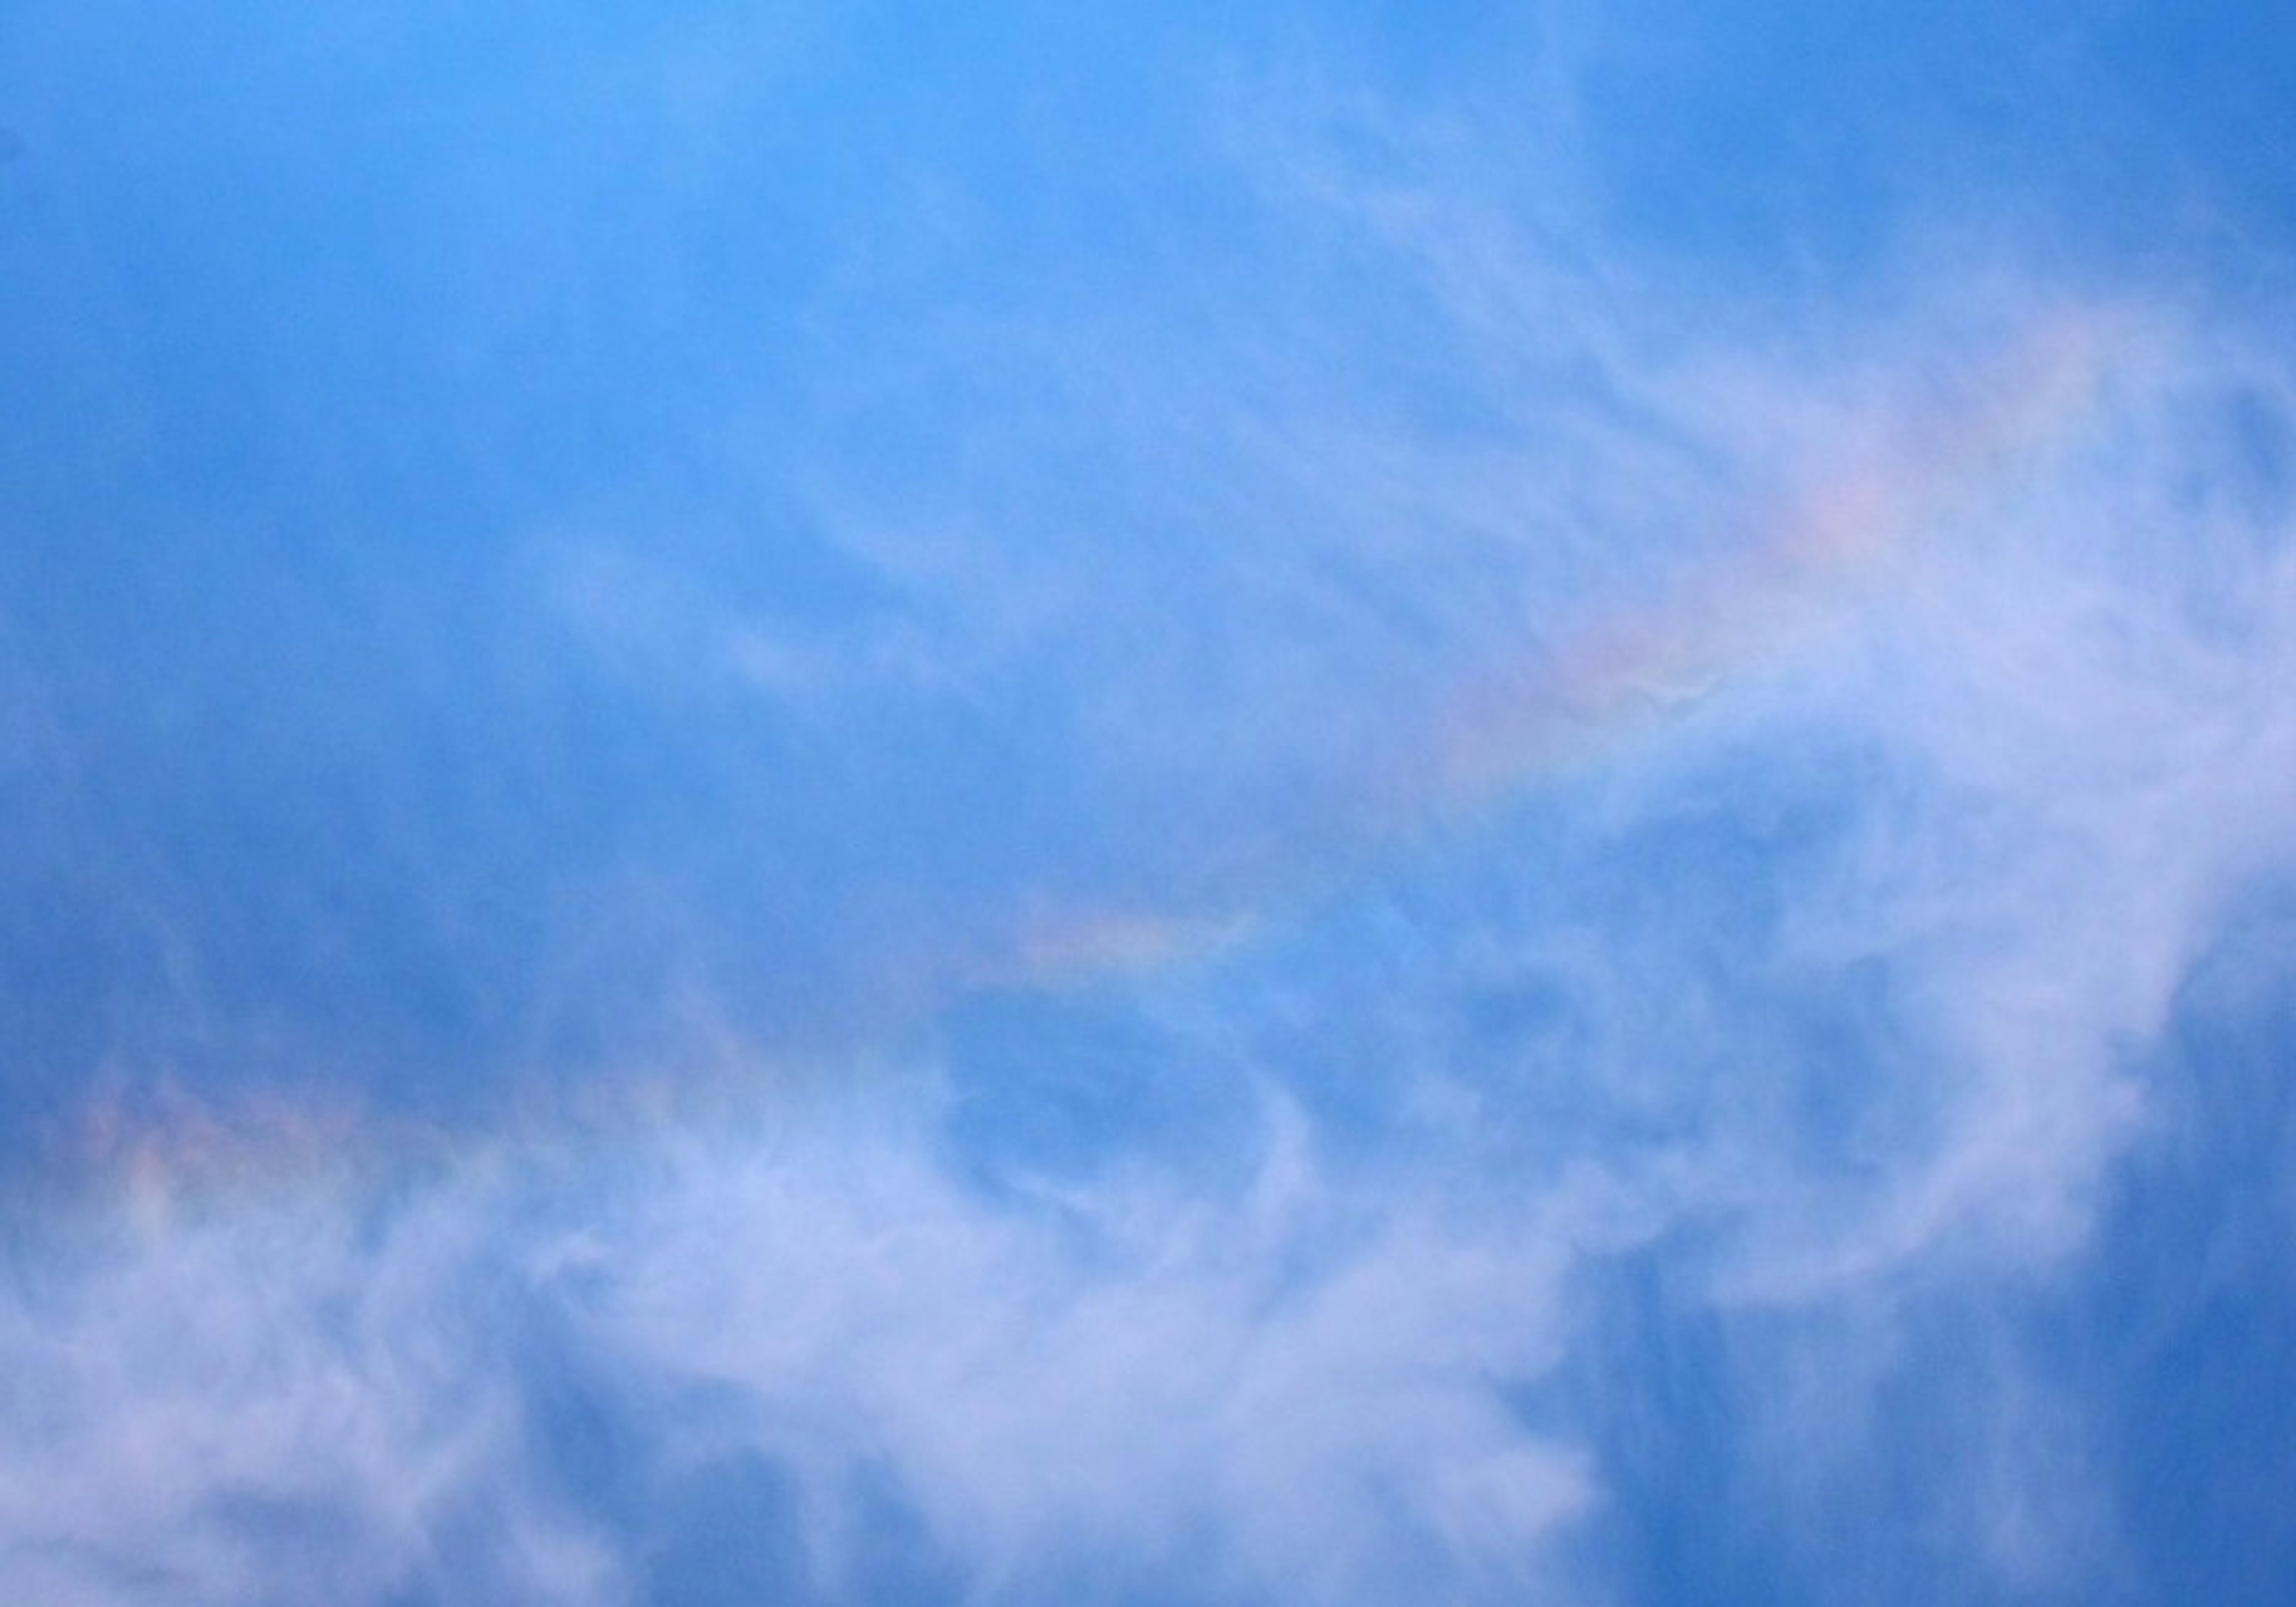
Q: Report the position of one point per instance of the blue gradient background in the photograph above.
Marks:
(755, 849)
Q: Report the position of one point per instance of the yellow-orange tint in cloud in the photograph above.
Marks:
(1612, 676)
(1570, 701)
(1574, 697)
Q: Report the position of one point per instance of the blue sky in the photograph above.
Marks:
(1327, 804)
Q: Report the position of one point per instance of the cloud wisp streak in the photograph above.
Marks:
(1348, 889)
(1367, 1356)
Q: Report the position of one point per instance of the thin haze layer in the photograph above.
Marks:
(1330, 807)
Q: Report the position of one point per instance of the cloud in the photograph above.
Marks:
(228, 1396)
(1300, 1385)
(249, 1399)
(1366, 899)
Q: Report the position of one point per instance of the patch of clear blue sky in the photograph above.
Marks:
(328, 333)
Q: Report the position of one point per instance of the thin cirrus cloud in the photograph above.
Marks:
(1356, 879)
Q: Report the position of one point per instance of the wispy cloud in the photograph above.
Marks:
(1353, 902)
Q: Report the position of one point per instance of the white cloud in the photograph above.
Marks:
(253, 1399)
(2032, 606)
(1311, 1380)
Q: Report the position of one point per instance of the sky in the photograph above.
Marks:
(1311, 803)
